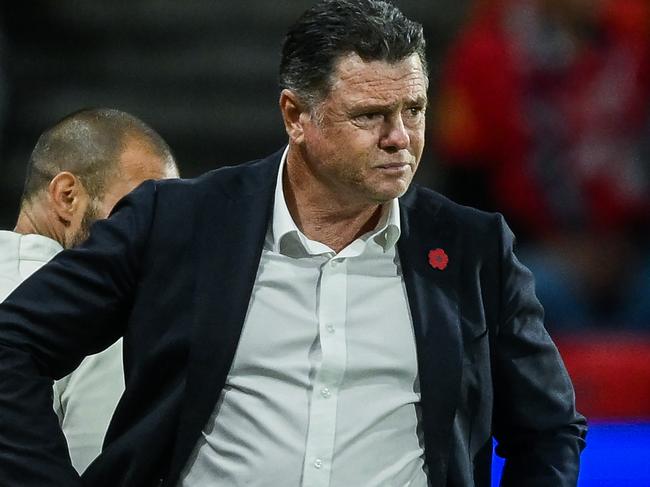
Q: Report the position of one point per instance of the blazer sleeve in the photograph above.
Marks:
(76, 305)
(538, 430)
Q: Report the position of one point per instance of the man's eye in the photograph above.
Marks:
(369, 117)
(415, 111)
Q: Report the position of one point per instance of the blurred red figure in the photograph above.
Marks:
(544, 115)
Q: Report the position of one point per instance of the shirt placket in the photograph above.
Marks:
(332, 303)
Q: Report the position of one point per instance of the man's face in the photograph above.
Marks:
(138, 162)
(365, 140)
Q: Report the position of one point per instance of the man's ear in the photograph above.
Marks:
(294, 114)
(65, 192)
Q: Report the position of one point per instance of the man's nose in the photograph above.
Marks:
(395, 136)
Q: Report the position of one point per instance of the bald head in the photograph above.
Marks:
(88, 144)
(82, 166)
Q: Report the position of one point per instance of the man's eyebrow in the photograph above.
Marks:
(418, 100)
(365, 106)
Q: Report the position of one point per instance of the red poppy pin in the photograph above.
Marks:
(438, 259)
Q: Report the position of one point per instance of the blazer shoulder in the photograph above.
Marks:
(422, 199)
(231, 182)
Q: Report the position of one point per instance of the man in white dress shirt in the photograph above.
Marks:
(324, 388)
(311, 319)
(78, 170)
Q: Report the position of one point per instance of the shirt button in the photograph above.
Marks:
(318, 463)
(330, 327)
(334, 263)
(325, 392)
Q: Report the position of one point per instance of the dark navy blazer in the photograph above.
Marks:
(172, 271)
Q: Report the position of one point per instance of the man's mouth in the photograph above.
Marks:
(393, 166)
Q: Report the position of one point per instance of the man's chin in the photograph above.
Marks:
(392, 191)
(382, 197)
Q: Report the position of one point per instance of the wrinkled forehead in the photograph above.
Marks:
(353, 76)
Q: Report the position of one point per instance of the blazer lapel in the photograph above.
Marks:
(231, 240)
(433, 299)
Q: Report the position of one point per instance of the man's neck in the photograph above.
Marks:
(334, 229)
(324, 217)
(31, 220)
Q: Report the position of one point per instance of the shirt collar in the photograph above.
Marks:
(385, 234)
(31, 246)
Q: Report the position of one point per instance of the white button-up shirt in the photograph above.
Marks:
(323, 390)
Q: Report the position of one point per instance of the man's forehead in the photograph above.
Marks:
(405, 78)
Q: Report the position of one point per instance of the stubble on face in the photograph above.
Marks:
(364, 141)
(138, 162)
(90, 216)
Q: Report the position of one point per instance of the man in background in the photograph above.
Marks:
(77, 172)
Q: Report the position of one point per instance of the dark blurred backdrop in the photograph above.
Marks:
(539, 109)
(201, 72)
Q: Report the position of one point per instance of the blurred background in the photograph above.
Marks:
(540, 109)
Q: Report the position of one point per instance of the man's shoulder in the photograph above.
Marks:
(426, 200)
(8, 238)
(9, 275)
(478, 233)
(182, 203)
(234, 181)
(20, 256)
(28, 247)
